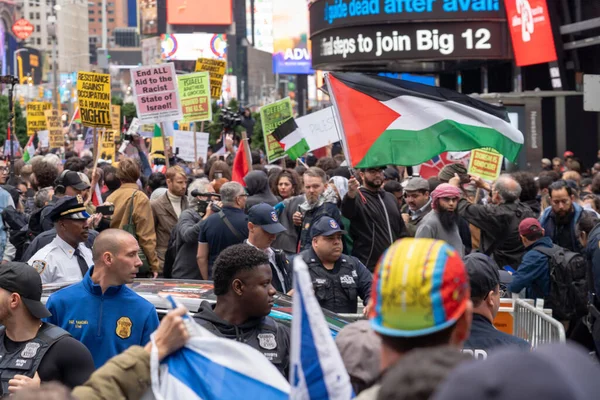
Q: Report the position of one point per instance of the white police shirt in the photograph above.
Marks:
(56, 262)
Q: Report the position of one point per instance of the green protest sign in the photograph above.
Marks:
(194, 93)
(271, 116)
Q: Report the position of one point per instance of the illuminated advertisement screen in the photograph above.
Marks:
(199, 12)
(530, 31)
(191, 46)
(291, 48)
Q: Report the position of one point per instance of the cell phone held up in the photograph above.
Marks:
(106, 210)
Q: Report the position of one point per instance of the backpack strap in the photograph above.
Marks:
(230, 226)
(548, 252)
(130, 221)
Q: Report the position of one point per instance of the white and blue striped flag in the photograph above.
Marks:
(317, 371)
(211, 368)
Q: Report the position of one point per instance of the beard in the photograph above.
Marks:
(563, 219)
(375, 184)
(448, 219)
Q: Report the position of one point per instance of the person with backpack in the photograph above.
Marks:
(552, 273)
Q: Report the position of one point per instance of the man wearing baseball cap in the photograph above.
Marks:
(416, 193)
(533, 274)
(484, 280)
(263, 228)
(31, 350)
(420, 298)
(338, 279)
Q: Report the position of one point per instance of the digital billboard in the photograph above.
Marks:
(191, 46)
(148, 17)
(345, 33)
(199, 12)
(531, 31)
(291, 47)
(263, 24)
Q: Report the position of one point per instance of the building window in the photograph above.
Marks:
(49, 41)
(92, 20)
(92, 12)
(39, 41)
(111, 20)
(37, 15)
(37, 28)
(31, 15)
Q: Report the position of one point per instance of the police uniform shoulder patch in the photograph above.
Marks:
(274, 216)
(30, 350)
(39, 265)
(124, 327)
(267, 341)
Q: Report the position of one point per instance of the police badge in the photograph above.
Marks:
(30, 350)
(267, 341)
(124, 327)
(39, 266)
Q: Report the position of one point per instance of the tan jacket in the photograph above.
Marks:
(142, 218)
(165, 220)
(126, 376)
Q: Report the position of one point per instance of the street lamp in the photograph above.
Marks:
(52, 31)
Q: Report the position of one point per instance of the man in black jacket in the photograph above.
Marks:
(499, 221)
(375, 215)
(245, 296)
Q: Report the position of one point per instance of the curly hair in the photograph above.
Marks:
(327, 164)
(294, 178)
(529, 189)
(231, 261)
(75, 164)
(45, 174)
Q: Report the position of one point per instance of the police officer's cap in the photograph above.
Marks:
(325, 226)
(69, 207)
(18, 277)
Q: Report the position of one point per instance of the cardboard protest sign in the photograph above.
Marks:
(271, 116)
(183, 145)
(134, 127)
(194, 93)
(55, 132)
(93, 94)
(115, 117)
(216, 69)
(319, 128)
(486, 163)
(155, 93)
(36, 120)
(43, 138)
(107, 145)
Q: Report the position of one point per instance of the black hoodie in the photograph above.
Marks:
(263, 334)
(257, 184)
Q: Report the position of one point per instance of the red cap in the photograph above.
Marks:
(529, 226)
(568, 153)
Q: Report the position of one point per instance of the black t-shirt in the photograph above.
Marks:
(68, 361)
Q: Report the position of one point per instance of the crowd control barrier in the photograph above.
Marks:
(535, 325)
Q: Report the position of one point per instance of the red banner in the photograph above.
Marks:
(531, 31)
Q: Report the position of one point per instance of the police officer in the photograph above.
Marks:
(485, 295)
(338, 279)
(66, 258)
(245, 296)
(263, 227)
(30, 350)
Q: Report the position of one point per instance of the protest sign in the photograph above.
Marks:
(319, 128)
(194, 93)
(93, 94)
(183, 145)
(134, 127)
(155, 93)
(485, 163)
(55, 132)
(115, 117)
(216, 69)
(36, 120)
(271, 116)
(107, 145)
(43, 138)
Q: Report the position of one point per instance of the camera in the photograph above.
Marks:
(229, 119)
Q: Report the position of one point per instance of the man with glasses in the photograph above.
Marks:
(375, 216)
(416, 194)
(484, 279)
(227, 227)
(561, 218)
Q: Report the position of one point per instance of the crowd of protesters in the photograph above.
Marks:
(450, 246)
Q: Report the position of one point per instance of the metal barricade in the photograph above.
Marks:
(535, 326)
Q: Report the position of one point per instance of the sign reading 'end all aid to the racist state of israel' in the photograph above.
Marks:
(93, 93)
(156, 93)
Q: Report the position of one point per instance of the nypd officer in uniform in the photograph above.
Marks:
(484, 279)
(66, 258)
(338, 279)
(32, 351)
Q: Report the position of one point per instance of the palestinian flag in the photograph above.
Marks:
(390, 121)
(291, 139)
(29, 149)
(76, 117)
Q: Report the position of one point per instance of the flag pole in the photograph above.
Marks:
(338, 120)
(247, 154)
(164, 139)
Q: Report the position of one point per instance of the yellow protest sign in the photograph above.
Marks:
(108, 146)
(36, 120)
(486, 163)
(194, 92)
(216, 69)
(93, 93)
(56, 137)
(115, 117)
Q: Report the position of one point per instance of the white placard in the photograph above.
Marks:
(183, 145)
(591, 92)
(134, 127)
(319, 128)
(43, 137)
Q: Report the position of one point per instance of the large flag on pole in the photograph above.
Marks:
(317, 371)
(390, 121)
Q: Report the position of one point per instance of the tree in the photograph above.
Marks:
(117, 101)
(128, 111)
(19, 121)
